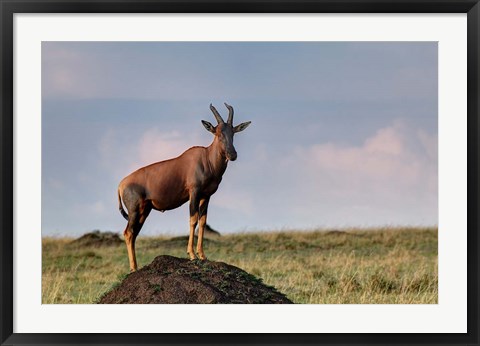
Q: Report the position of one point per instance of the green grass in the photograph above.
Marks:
(382, 266)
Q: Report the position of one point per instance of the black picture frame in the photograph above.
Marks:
(10, 7)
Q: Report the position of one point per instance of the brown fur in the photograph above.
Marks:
(193, 176)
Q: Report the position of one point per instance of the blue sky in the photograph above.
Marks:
(342, 134)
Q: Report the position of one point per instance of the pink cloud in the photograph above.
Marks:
(152, 146)
(155, 145)
(393, 171)
(387, 156)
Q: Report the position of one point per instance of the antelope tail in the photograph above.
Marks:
(120, 207)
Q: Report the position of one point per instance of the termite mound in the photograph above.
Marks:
(172, 280)
(97, 239)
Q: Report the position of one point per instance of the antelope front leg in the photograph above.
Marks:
(193, 224)
(201, 227)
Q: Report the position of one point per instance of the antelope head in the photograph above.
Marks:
(224, 132)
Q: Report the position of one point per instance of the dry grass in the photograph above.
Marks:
(382, 266)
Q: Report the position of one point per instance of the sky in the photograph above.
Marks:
(343, 134)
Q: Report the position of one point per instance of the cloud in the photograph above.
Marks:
(155, 145)
(393, 155)
(122, 156)
(63, 71)
(390, 177)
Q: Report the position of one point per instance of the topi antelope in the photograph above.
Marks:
(193, 176)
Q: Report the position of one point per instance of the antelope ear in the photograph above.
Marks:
(208, 126)
(241, 126)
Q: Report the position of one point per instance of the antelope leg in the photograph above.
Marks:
(193, 224)
(128, 234)
(201, 227)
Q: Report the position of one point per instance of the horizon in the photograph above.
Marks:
(346, 230)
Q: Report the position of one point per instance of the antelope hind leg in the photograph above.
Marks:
(129, 241)
(135, 223)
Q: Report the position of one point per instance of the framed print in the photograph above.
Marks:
(239, 173)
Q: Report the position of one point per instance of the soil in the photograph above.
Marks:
(98, 239)
(172, 280)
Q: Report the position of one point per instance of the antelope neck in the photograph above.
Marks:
(217, 158)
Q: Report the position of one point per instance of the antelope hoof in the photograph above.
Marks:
(192, 256)
(202, 256)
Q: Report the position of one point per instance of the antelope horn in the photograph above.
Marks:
(230, 114)
(216, 114)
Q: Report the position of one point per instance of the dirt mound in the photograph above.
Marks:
(98, 239)
(336, 232)
(172, 280)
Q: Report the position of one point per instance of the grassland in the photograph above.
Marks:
(382, 266)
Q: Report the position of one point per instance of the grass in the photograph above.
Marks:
(381, 266)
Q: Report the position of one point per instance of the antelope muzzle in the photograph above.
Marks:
(232, 155)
